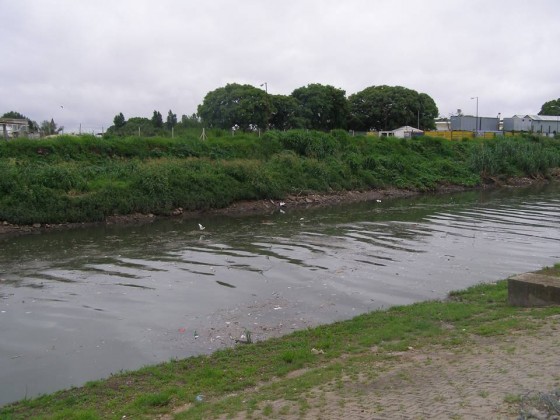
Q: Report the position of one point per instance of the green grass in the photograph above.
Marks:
(84, 179)
(285, 368)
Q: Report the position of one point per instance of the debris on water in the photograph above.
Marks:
(182, 330)
(223, 283)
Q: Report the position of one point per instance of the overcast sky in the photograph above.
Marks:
(83, 62)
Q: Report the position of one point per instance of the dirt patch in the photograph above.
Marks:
(488, 379)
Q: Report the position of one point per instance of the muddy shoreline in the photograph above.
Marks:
(252, 207)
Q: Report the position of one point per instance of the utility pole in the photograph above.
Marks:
(477, 125)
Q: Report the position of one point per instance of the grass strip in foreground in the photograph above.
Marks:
(243, 378)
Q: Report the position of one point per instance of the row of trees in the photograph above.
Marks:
(317, 107)
(152, 126)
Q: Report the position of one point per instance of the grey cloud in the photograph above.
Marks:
(101, 58)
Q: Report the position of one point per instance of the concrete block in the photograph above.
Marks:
(530, 289)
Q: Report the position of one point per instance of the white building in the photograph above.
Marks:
(404, 132)
(13, 127)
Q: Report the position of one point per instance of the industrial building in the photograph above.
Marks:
(476, 124)
(544, 124)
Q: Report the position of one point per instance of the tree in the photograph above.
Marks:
(321, 107)
(284, 113)
(427, 112)
(157, 119)
(119, 120)
(15, 115)
(192, 121)
(551, 107)
(49, 128)
(171, 120)
(389, 107)
(135, 126)
(244, 106)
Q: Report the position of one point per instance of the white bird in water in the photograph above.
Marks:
(201, 227)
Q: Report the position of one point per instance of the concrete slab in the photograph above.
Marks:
(530, 289)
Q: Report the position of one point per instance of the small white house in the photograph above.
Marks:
(404, 132)
(13, 127)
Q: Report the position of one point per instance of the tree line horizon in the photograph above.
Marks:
(315, 106)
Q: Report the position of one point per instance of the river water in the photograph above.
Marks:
(81, 304)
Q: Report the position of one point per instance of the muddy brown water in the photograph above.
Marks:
(79, 305)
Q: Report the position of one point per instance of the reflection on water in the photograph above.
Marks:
(81, 304)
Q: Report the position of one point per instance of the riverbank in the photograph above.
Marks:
(80, 180)
(470, 355)
(264, 206)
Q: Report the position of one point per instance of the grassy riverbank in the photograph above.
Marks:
(86, 179)
(247, 378)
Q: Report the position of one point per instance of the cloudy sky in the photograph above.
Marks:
(83, 62)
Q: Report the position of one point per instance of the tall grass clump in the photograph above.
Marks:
(522, 156)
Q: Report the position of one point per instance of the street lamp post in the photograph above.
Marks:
(265, 87)
(476, 125)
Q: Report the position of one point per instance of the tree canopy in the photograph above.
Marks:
(551, 107)
(119, 120)
(157, 119)
(315, 106)
(235, 105)
(389, 107)
(171, 120)
(49, 128)
(321, 107)
(284, 114)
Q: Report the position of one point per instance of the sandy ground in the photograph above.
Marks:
(493, 378)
